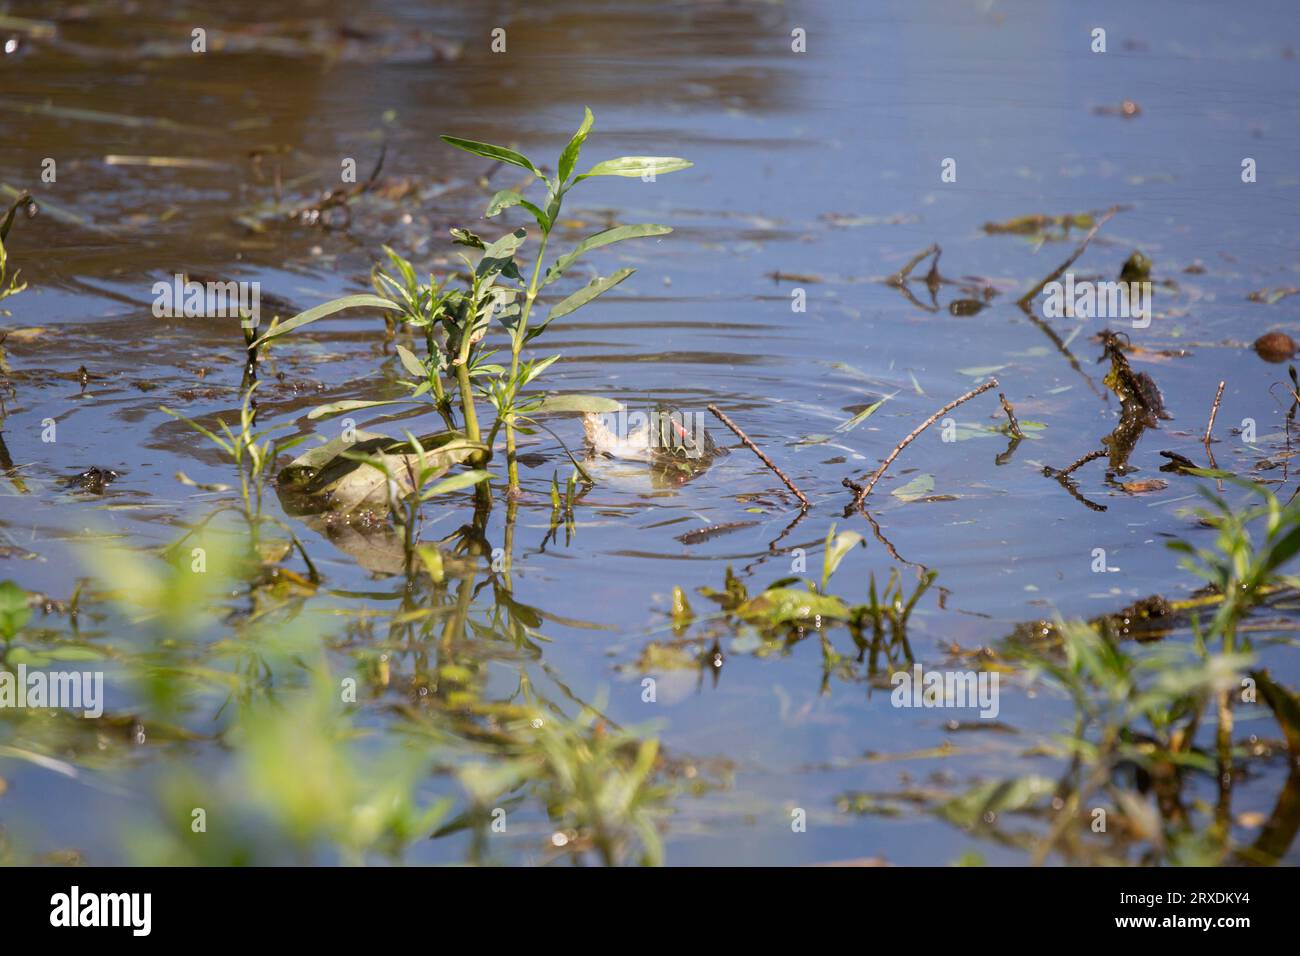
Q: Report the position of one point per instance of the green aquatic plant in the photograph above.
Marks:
(422, 309)
(9, 284)
(1242, 572)
(516, 315)
(254, 453)
(790, 609)
(603, 787)
(782, 605)
(302, 784)
(454, 322)
(14, 609)
(1138, 712)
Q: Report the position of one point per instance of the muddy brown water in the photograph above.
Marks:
(818, 172)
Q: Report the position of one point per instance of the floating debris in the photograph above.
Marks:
(93, 480)
(1039, 224)
(845, 221)
(1275, 347)
(965, 307)
(1144, 486)
(1269, 296)
(712, 531)
(1137, 268)
(1127, 109)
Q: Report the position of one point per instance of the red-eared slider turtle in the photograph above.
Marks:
(666, 437)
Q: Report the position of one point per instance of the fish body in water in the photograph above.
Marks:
(663, 436)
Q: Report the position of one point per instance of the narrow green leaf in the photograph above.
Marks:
(505, 247)
(502, 199)
(837, 546)
(488, 151)
(498, 255)
(617, 234)
(367, 301)
(575, 403)
(338, 408)
(588, 292)
(586, 475)
(227, 447)
(1285, 706)
(569, 158)
(1283, 551)
(508, 197)
(411, 363)
(23, 199)
(14, 610)
(534, 370)
(863, 415)
(465, 479)
(636, 166)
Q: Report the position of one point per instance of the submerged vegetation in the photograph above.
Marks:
(1150, 758)
(1137, 750)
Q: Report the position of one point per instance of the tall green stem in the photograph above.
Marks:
(462, 373)
(467, 404)
(516, 345)
(482, 495)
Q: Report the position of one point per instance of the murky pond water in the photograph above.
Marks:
(817, 176)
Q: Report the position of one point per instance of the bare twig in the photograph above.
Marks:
(866, 489)
(1028, 297)
(1068, 485)
(900, 278)
(759, 452)
(1214, 412)
(1290, 418)
(1063, 477)
(1070, 469)
(1011, 417)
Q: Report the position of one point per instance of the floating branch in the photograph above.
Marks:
(759, 452)
(1011, 417)
(1068, 485)
(1028, 297)
(1063, 476)
(1070, 469)
(865, 490)
(900, 278)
